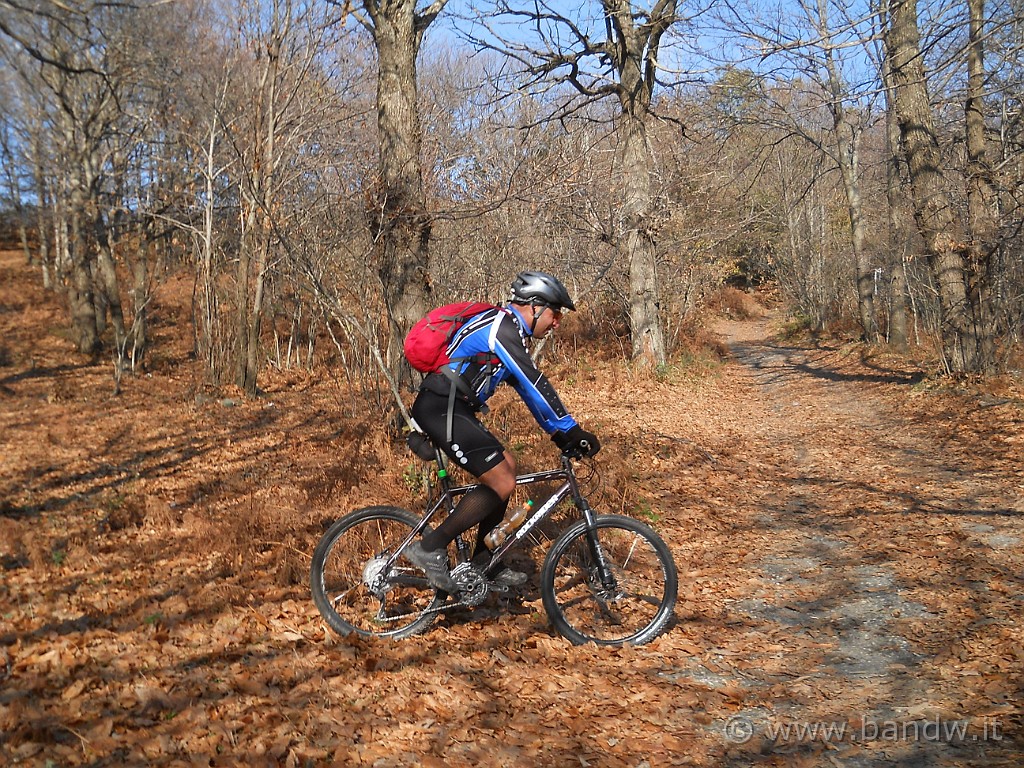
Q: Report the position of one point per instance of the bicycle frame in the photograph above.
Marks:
(449, 493)
(605, 578)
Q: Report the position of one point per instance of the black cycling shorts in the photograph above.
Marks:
(473, 447)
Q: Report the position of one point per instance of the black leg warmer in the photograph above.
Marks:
(481, 505)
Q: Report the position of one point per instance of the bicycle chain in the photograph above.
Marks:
(491, 587)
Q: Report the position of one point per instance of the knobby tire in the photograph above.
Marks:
(403, 603)
(633, 607)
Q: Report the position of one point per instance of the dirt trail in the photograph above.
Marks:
(857, 490)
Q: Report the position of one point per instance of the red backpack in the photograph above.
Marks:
(426, 344)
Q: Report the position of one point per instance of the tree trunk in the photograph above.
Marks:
(140, 301)
(245, 371)
(256, 314)
(81, 299)
(982, 203)
(865, 272)
(107, 272)
(42, 204)
(26, 249)
(258, 227)
(61, 242)
(847, 137)
(897, 226)
(401, 224)
(636, 62)
(637, 243)
(932, 207)
(898, 310)
(208, 301)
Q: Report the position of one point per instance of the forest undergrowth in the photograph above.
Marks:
(847, 531)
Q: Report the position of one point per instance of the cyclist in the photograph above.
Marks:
(491, 348)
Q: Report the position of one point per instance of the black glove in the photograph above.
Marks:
(577, 442)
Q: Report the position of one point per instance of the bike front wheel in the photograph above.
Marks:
(612, 583)
(354, 588)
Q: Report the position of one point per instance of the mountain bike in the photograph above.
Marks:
(607, 579)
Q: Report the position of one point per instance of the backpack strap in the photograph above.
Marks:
(458, 384)
(456, 380)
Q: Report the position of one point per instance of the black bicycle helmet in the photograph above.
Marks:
(541, 288)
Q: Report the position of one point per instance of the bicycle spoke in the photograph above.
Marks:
(341, 597)
(637, 603)
(571, 583)
(368, 596)
(613, 618)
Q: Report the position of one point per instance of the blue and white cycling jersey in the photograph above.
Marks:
(501, 335)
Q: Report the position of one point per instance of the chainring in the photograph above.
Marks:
(473, 587)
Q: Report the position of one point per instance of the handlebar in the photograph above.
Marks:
(579, 451)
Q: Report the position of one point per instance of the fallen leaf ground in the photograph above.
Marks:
(847, 533)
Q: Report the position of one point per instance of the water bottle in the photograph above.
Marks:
(500, 535)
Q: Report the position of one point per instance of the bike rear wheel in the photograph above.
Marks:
(629, 600)
(352, 586)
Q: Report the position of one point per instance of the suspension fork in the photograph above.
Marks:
(604, 570)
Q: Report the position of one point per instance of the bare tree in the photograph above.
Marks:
(617, 56)
(196, 182)
(399, 220)
(279, 48)
(933, 210)
(507, 199)
(982, 202)
(85, 80)
(12, 137)
(898, 232)
(82, 112)
(816, 45)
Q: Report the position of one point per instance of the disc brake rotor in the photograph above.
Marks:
(373, 576)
